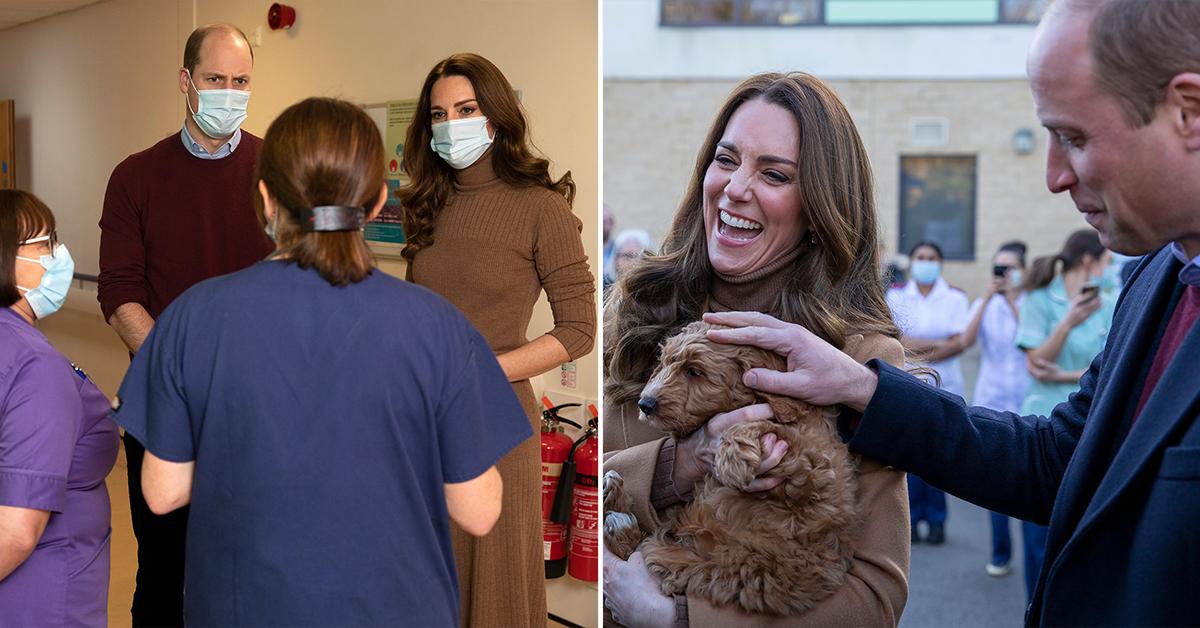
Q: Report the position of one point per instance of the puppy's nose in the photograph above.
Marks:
(648, 405)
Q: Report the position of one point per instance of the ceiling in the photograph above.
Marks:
(14, 12)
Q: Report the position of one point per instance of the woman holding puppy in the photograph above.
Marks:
(779, 218)
(1064, 323)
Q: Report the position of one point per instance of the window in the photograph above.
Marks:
(910, 11)
(849, 12)
(1022, 11)
(741, 12)
(937, 204)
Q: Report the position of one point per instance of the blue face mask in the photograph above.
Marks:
(51, 292)
(219, 112)
(461, 142)
(270, 228)
(1014, 277)
(925, 271)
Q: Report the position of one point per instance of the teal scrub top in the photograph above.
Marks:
(1044, 308)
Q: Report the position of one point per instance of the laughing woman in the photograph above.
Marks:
(489, 230)
(778, 218)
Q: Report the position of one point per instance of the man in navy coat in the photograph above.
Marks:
(1115, 470)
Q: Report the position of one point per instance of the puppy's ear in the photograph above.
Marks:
(785, 409)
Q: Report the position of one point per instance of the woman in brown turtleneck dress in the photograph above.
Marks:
(779, 217)
(489, 229)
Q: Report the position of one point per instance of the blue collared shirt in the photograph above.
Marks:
(196, 149)
(1191, 267)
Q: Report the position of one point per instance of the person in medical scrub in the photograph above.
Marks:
(931, 314)
(326, 421)
(1003, 379)
(56, 442)
(1064, 324)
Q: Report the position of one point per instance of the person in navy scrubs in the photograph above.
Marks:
(325, 421)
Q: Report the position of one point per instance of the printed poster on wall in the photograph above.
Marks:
(386, 233)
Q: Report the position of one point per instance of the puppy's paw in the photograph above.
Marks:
(621, 533)
(615, 498)
(739, 455)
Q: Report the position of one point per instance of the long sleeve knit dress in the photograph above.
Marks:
(495, 248)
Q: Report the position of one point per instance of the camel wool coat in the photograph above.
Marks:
(876, 586)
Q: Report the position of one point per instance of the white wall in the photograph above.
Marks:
(93, 85)
(637, 47)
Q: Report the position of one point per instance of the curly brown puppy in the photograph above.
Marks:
(778, 551)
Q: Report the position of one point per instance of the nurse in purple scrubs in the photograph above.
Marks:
(56, 442)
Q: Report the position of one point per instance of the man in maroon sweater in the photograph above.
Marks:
(175, 214)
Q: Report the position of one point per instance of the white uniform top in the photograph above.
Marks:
(941, 314)
(1003, 378)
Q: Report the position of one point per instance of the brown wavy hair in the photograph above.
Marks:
(322, 151)
(835, 288)
(513, 157)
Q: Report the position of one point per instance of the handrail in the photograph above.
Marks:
(86, 277)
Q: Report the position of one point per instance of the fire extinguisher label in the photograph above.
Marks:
(554, 535)
(554, 540)
(585, 523)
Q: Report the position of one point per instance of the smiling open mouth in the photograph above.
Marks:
(738, 228)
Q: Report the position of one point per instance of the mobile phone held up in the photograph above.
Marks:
(1090, 289)
(998, 270)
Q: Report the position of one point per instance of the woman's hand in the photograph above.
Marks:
(1047, 371)
(997, 285)
(694, 454)
(632, 593)
(1082, 306)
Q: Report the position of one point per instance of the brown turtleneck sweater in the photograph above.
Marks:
(495, 248)
(755, 291)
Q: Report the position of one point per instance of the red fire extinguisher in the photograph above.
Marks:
(582, 473)
(556, 449)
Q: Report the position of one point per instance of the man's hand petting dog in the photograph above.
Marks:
(631, 593)
(695, 454)
(817, 372)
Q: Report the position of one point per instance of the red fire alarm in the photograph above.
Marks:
(281, 16)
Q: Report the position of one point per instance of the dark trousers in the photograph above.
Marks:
(1033, 536)
(925, 503)
(1001, 540)
(161, 539)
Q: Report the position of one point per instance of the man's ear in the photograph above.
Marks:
(1183, 97)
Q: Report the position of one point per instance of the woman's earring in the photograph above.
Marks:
(812, 238)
